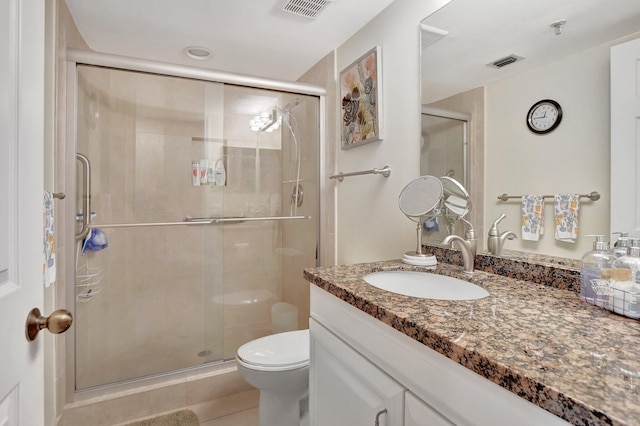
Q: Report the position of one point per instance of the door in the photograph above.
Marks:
(625, 138)
(345, 388)
(21, 176)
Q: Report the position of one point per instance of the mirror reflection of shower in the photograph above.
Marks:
(444, 144)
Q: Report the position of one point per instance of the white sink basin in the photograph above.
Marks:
(425, 285)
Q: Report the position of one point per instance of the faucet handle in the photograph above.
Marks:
(493, 231)
(470, 232)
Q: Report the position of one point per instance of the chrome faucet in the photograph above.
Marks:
(467, 246)
(495, 241)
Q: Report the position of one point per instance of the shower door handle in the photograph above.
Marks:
(86, 196)
(212, 220)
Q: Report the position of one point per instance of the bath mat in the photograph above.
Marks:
(179, 418)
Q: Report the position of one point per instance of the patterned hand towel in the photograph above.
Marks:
(532, 217)
(49, 250)
(565, 211)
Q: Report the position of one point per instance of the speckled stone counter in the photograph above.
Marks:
(557, 272)
(575, 360)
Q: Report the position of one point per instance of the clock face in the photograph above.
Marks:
(544, 116)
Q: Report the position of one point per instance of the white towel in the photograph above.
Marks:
(49, 250)
(565, 211)
(532, 217)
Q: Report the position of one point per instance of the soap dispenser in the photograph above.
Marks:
(622, 244)
(495, 240)
(595, 265)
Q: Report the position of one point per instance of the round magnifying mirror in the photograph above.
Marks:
(455, 197)
(420, 197)
(420, 200)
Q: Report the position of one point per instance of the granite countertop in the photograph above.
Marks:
(541, 342)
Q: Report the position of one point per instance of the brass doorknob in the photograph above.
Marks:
(58, 322)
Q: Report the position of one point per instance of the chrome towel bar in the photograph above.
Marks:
(593, 196)
(384, 171)
(188, 220)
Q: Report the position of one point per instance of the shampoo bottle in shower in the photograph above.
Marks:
(220, 173)
(195, 173)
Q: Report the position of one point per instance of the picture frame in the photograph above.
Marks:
(361, 100)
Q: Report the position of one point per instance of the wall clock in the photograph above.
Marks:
(544, 116)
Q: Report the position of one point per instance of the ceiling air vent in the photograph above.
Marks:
(508, 60)
(307, 8)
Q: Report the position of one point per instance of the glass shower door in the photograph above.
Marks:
(443, 147)
(141, 299)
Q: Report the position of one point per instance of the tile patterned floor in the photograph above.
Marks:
(242, 418)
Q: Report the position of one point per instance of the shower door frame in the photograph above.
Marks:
(79, 57)
(465, 119)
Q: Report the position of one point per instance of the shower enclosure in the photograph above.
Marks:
(444, 152)
(443, 144)
(204, 211)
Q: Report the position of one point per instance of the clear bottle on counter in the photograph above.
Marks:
(595, 265)
(625, 297)
(625, 268)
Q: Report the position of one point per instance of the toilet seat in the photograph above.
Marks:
(277, 352)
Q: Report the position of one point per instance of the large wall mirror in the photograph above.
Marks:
(491, 62)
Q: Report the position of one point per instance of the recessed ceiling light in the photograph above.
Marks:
(196, 52)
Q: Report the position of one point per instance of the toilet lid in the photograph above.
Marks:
(289, 349)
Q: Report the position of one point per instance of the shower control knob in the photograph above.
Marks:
(58, 322)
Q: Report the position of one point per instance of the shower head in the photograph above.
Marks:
(287, 108)
(266, 122)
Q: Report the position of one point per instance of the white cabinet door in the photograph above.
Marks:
(418, 413)
(346, 389)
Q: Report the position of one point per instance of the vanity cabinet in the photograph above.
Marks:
(347, 389)
(360, 366)
(418, 413)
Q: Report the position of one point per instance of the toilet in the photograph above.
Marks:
(278, 365)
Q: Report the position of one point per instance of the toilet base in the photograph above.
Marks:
(278, 409)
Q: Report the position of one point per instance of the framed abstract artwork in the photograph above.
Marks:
(361, 100)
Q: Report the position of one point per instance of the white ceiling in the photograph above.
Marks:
(254, 37)
(480, 32)
(257, 37)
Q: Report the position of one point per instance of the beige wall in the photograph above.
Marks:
(369, 222)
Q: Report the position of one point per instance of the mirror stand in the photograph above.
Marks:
(418, 201)
(417, 257)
